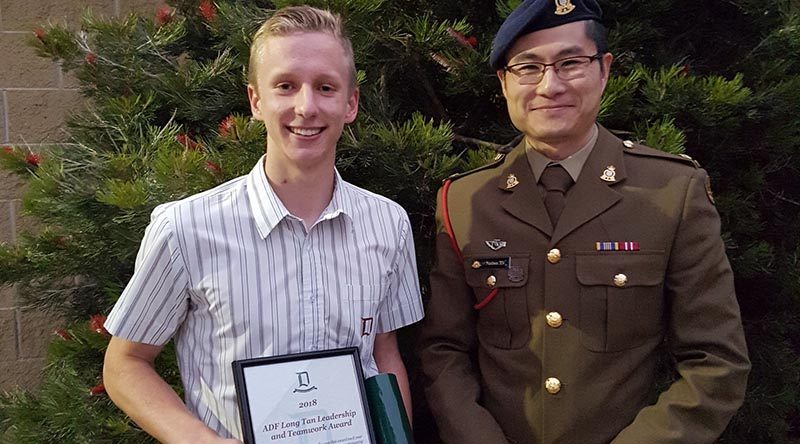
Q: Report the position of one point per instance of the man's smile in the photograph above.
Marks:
(305, 132)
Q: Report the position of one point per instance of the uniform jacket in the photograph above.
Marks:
(486, 369)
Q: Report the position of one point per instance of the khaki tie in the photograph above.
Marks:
(556, 181)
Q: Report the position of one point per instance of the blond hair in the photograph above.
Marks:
(294, 19)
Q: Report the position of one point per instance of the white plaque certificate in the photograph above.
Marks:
(308, 398)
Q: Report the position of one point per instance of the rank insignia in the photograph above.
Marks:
(617, 246)
(610, 174)
(511, 181)
(496, 244)
(564, 7)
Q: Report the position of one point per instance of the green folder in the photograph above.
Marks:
(389, 419)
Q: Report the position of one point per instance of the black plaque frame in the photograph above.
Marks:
(240, 382)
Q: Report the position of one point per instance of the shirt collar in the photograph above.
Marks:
(341, 201)
(268, 210)
(573, 164)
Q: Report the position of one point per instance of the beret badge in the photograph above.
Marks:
(564, 7)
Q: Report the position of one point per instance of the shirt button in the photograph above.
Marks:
(554, 319)
(491, 281)
(554, 256)
(552, 385)
(620, 280)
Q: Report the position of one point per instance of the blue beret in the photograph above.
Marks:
(533, 15)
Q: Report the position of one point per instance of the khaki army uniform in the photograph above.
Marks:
(567, 349)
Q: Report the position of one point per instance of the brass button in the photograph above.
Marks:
(620, 280)
(554, 319)
(476, 265)
(552, 385)
(554, 256)
(491, 281)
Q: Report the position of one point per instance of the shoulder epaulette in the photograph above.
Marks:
(642, 150)
(498, 159)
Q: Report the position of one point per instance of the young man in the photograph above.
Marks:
(287, 259)
(567, 266)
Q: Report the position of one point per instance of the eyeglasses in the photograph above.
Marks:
(569, 68)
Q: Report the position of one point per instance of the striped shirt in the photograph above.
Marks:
(231, 274)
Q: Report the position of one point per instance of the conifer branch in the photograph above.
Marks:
(477, 142)
(780, 197)
(438, 107)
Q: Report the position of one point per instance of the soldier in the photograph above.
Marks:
(566, 267)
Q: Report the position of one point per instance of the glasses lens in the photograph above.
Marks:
(530, 79)
(528, 73)
(572, 68)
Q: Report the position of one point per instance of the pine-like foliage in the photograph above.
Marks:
(167, 116)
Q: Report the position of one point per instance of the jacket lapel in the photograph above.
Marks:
(524, 201)
(592, 195)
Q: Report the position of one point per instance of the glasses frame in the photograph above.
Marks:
(511, 68)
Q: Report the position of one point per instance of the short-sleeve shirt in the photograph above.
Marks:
(231, 274)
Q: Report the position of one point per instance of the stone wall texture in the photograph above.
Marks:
(35, 98)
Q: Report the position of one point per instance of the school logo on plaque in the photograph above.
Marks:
(303, 383)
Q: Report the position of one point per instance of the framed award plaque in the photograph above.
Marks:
(309, 398)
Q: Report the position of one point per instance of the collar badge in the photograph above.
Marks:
(511, 181)
(610, 174)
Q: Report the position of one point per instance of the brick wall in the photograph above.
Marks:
(35, 98)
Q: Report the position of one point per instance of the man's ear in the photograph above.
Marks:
(255, 102)
(606, 61)
(352, 106)
(501, 75)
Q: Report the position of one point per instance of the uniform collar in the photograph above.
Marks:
(268, 210)
(573, 164)
(592, 193)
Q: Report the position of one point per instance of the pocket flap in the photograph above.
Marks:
(639, 269)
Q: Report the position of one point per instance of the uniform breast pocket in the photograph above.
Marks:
(621, 300)
(360, 310)
(503, 322)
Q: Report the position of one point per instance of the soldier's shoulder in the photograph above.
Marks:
(497, 161)
(645, 152)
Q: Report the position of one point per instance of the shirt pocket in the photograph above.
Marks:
(503, 322)
(360, 309)
(621, 299)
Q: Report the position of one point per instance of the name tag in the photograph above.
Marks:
(492, 262)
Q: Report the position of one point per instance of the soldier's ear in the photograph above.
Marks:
(501, 76)
(606, 64)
